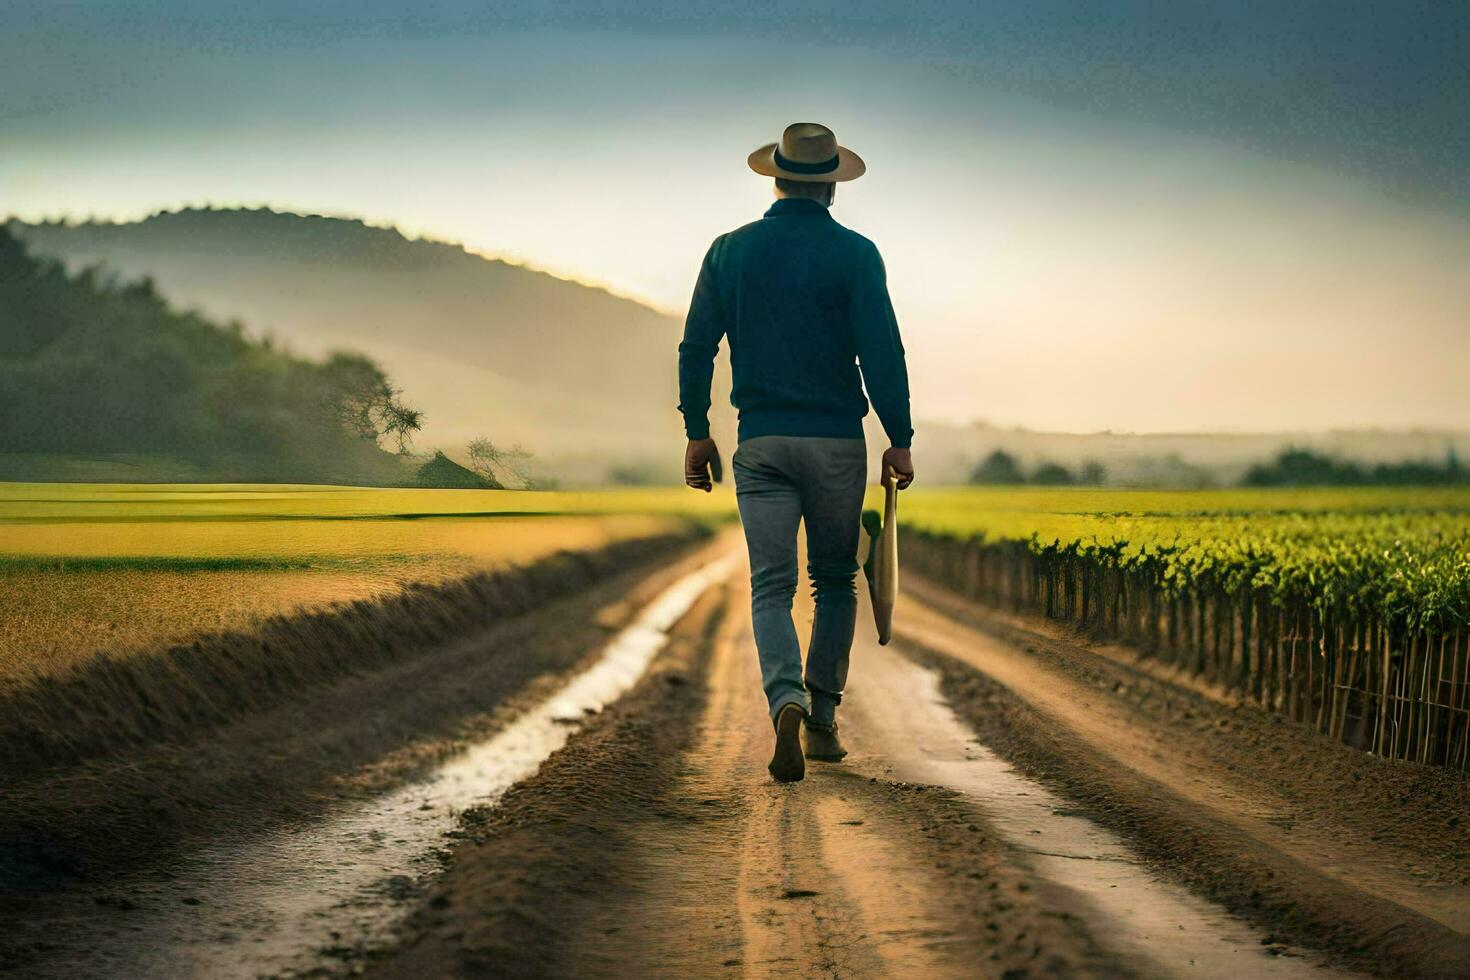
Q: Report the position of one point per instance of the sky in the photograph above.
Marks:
(1126, 216)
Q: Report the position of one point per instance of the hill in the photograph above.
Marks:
(583, 378)
(108, 380)
(484, 347)
(443, 472)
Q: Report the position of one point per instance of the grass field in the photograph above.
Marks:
(122, 567)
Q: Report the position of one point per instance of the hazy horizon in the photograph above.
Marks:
(1246, 221)
(290, 343)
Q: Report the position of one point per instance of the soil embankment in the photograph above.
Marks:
(112, 703)
(371, 725)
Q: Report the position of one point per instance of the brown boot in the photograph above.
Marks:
(823, 744)
(787, 764)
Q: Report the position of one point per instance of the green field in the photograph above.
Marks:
(124, 567)
(1403, 554)
(1345, 608)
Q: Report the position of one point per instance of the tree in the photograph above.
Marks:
(368, 403)
(495, 463)
(638, 473)
(1093, 474)
(999, 467)
(1053, 475)
(1301, 467)
(399, 421)
(93, 367)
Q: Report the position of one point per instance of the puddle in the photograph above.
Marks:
(1167, 931)
(277, 905)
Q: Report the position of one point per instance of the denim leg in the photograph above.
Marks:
(832, 503)
(770, 511)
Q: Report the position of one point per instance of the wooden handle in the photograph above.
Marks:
(886, 564)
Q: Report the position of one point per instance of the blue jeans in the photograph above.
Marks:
(779, 482)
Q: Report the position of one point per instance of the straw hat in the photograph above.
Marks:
(807, 151)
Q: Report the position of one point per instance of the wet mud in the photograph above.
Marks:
(1318, 845)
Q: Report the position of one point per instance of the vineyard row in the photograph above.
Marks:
(1387, 687)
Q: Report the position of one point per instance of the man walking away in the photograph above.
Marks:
(804, 302)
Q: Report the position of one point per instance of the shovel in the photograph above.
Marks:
(881, 568)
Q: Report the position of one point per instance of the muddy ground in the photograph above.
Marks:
(657, 845)
(1017, 803)
(1365, 858)
(117, 822)
(669, 851)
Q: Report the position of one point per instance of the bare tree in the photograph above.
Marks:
(497, 464)
(369, 404)
(398, 421)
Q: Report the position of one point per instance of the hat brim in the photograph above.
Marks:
(850, 166)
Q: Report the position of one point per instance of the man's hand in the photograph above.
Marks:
(701, 461)
(901, 462)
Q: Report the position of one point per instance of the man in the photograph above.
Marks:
(804, 302)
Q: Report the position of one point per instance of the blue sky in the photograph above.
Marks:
(1127, 216)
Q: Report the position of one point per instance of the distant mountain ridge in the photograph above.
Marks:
(483, 346)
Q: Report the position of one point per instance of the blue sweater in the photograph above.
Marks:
(804, 302)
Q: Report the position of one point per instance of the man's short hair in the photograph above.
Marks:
(816, 190)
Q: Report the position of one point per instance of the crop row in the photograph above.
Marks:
(1354, 620)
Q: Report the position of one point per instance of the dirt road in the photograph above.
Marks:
(1004, 812)
(672, 853)
(1016, 803)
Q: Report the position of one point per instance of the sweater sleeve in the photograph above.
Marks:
(703, 328)
(880, 349)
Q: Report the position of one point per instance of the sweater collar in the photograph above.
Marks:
(797, 205)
